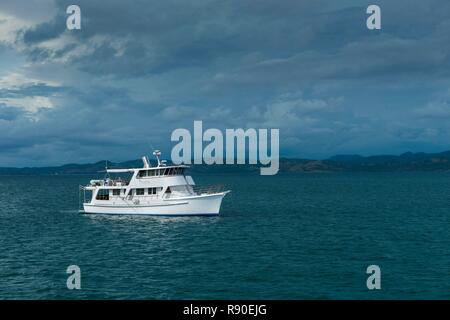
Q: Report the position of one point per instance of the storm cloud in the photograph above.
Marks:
(139, 69)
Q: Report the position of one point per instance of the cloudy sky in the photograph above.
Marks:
(137, 70)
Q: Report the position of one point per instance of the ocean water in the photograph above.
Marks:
(303, 236)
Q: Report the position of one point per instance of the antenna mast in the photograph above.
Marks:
(157, 154)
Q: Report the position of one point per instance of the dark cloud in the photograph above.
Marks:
(154, 37)
(139, 69)
(29, 90)
(45, 31)
(9, 113)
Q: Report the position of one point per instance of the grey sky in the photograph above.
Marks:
(139, 69)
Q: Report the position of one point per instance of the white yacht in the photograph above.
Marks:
(158, 190)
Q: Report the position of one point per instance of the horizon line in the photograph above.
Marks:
(281, 157)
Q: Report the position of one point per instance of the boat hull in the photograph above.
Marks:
(188, 206)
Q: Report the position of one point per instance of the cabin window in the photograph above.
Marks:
(151, 190)
(143, 173)
(102, 194)
(151, 173)
(116, 192)
(168, 190)
(140, 192)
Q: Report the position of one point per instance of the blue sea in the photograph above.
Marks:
(290, 236)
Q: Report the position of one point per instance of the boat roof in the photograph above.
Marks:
(150, 168)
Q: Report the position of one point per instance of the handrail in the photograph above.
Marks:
(109, 183)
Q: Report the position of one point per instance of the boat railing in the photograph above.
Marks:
(82, 197)
(200, 190)
(109, 183)
(116, 183)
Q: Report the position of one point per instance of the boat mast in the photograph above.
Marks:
(157, 154)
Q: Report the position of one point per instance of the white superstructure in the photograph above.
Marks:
(159, 190)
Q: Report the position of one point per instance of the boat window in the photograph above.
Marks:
(151, 173)
(142, 173)
(116, 192)
(168, 190)
(102, 194)
(151, 190)
(140, 192)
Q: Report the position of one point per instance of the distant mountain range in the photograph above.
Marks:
(405, 162)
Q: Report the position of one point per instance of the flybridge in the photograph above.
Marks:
(147, 165)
